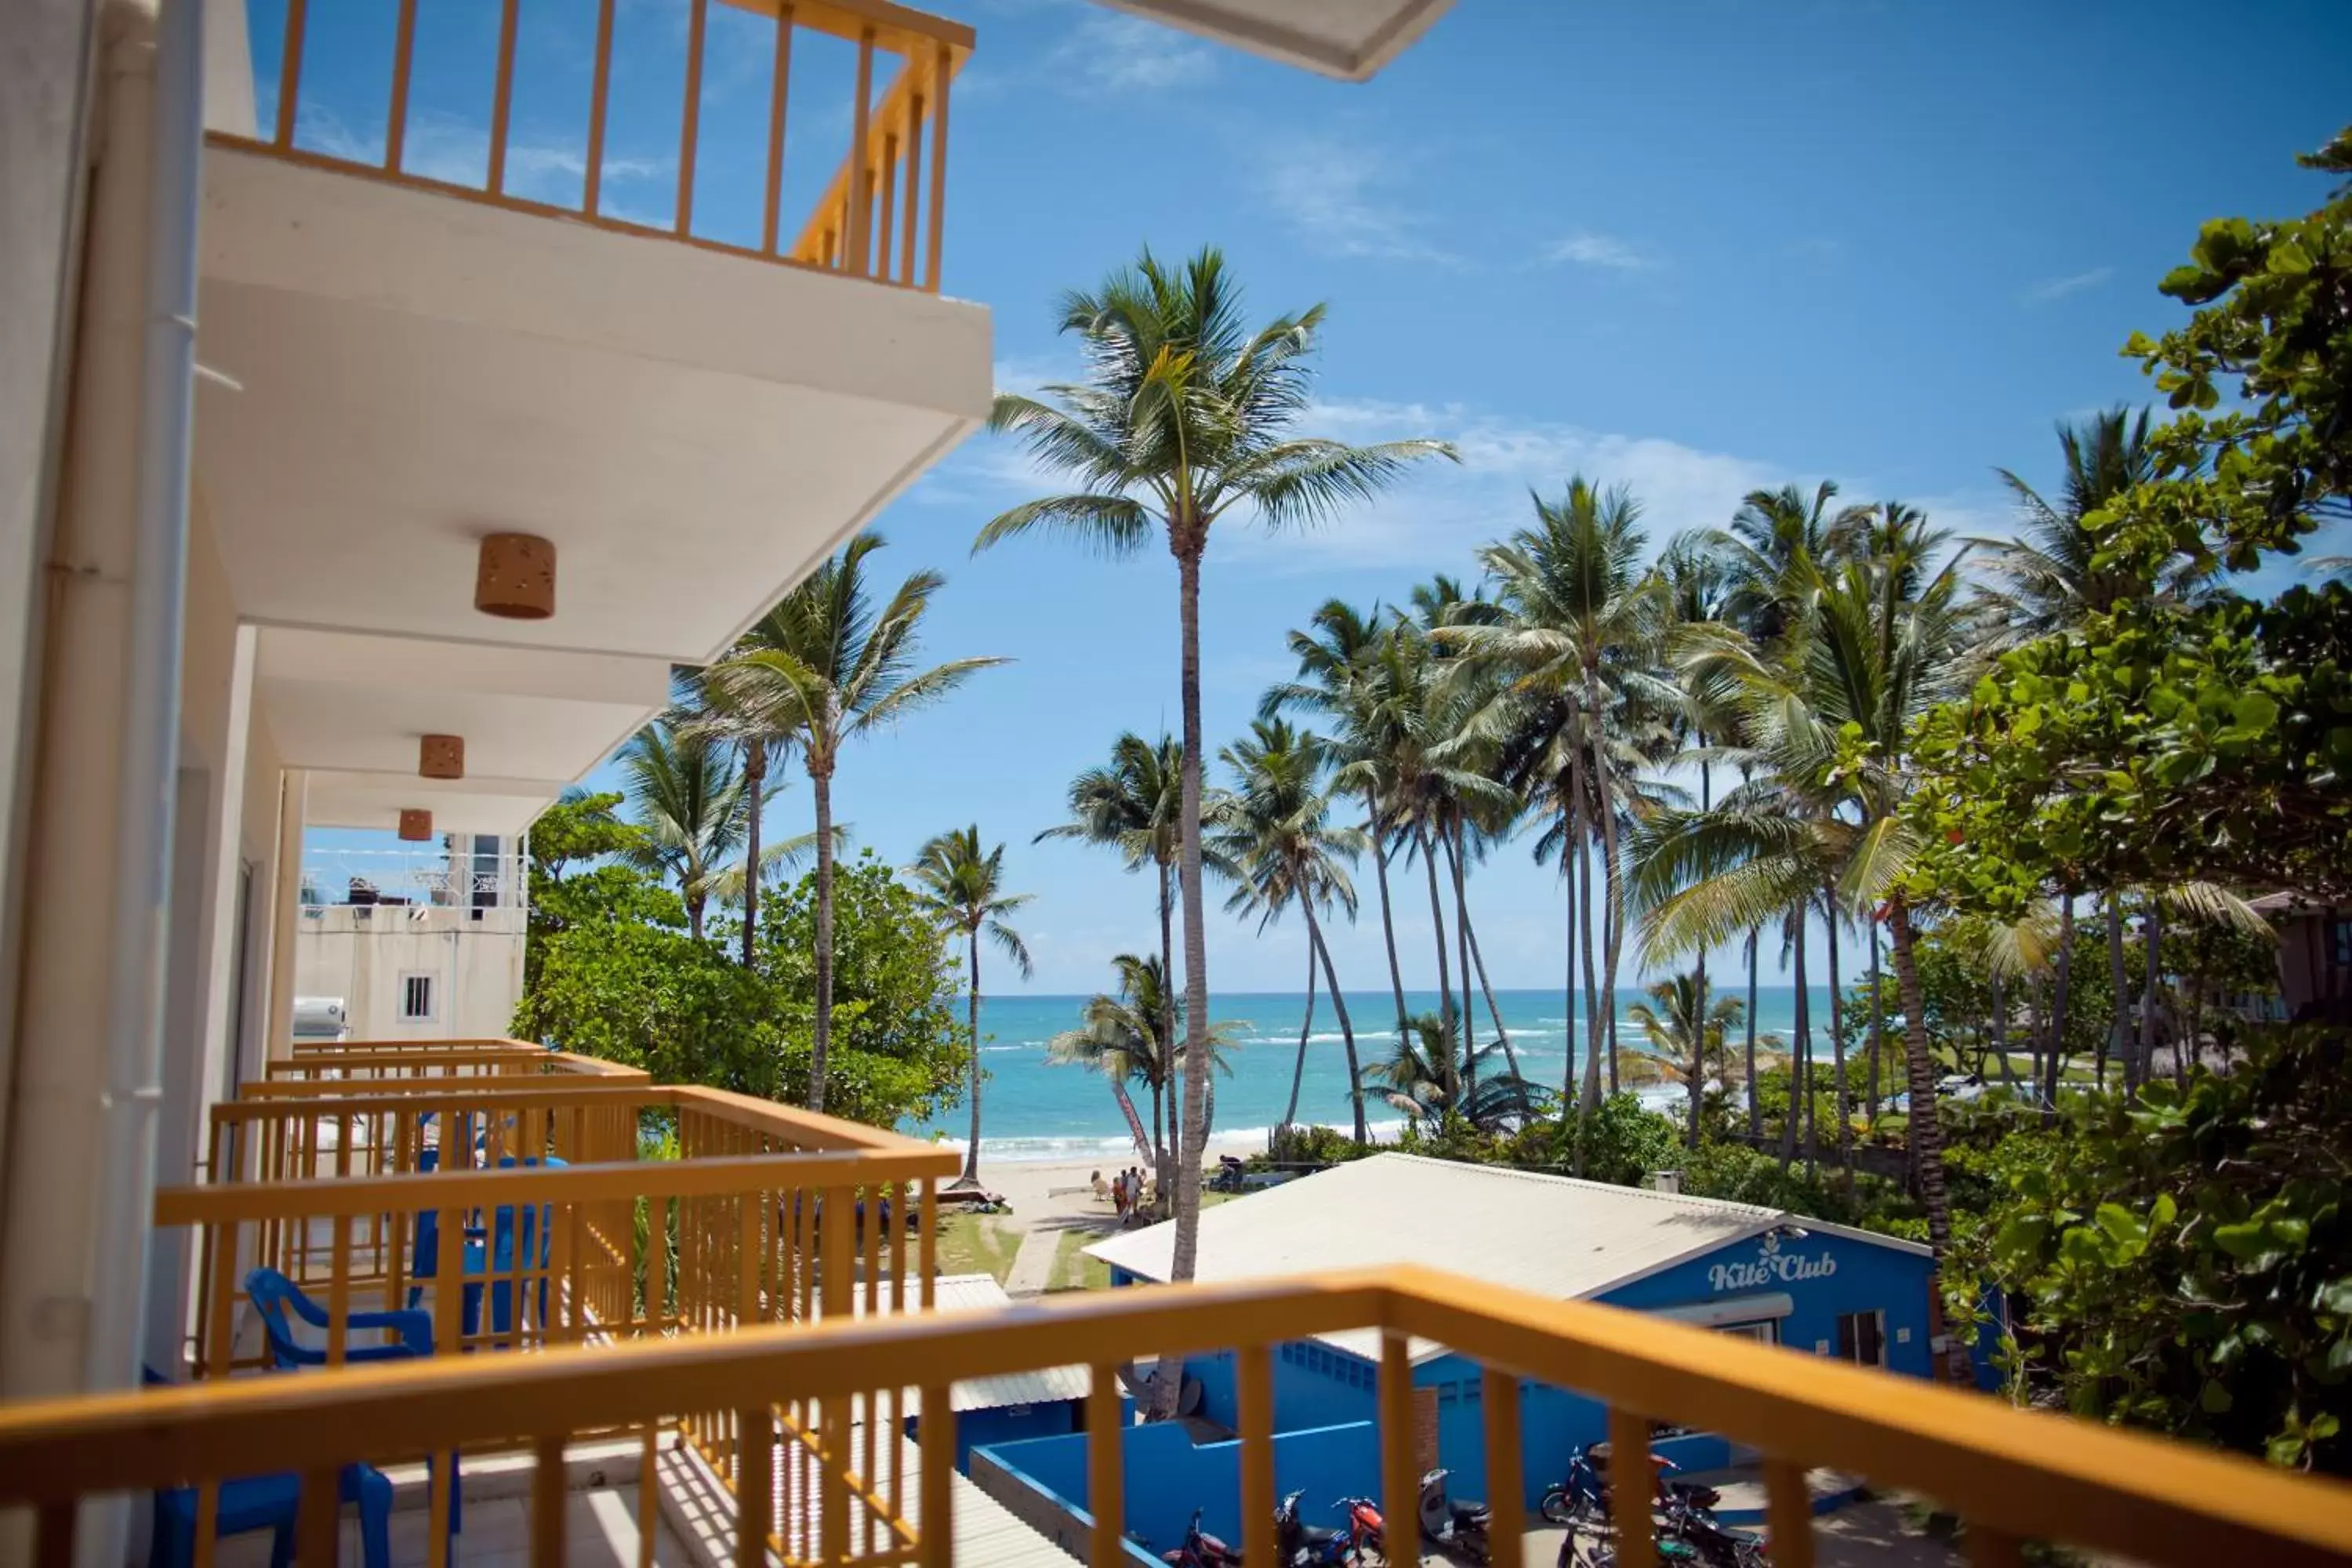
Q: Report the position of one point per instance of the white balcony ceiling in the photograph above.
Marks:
(349, 709)
(1351, 40)
(694, 430)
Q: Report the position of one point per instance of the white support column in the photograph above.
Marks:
(286, 914)
(55, 1136)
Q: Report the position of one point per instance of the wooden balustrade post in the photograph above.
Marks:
(1400, 1482)
(502, 98)
(1106, 1467)
(1632, 1488)
(779, 89)
(1789, 1513)
(316, 1515)
(1254, 1389)
(1506, 1479)
(937, 1514)
(698, 22)
(600, 94)
(547, 1502)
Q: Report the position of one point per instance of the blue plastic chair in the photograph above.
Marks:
(274, 1296)
(506, 1246)
(271, 1503)
(424, 1255)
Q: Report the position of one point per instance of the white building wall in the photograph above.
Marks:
(363, 954)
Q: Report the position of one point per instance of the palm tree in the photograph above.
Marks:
(1581, 621)
(1828, 720)
(1688, 1032)
(1121, 1034)
(1341, 672)
(1134, 804)
(692, 805)
(1288, 852)
(962, 887)
(1187, 415)
(832, 667)
(2048, 578)
(1699, 588)
(1429, 1076)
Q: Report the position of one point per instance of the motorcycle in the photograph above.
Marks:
(1458, 1527)
(1201, 1550)
(1301, 1545)
(1363, 1527)
(1584, 1495)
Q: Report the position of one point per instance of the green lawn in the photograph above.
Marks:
(976, 1243)
(1073, 1269)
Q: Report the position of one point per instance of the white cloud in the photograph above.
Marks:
(1342, 197)
(1107, 56)
(1586, 248)
(1445, 511)
(2051, 290)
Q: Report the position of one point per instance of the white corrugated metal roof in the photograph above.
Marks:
(1052, 1385)
(1552, 1236)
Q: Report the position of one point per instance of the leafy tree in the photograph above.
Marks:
(2186, 1263)
(573, 875)
(1688, 1031)
(1186, 418)
(897, 1050)
(2164, 742)
(1428, 1076)
(828, 667)
(962, 887)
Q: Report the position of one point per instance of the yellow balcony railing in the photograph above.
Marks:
(366, 1199)
(313, 1068)
(2014, 1476)
(879, 217)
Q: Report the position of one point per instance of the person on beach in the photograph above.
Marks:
(1102, 1190)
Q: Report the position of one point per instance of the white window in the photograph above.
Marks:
(416, 998)
(1862, 1338)
(1765, 1331)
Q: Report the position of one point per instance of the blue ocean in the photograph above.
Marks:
(1035, 1110)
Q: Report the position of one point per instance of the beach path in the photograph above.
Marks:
(1032, 1266)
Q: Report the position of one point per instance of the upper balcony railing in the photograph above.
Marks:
(879, 215)
(354, 1067)
(2013, 1475)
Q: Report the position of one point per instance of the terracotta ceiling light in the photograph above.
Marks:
(441, 757)
(515, 577)
(416, 826)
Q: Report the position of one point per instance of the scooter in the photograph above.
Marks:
(1458, 1527)
(1201, 1550)
(1363, 1527)
(1302, 1545)
(1584, 1495)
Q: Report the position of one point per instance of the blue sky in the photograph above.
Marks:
(1693, 249)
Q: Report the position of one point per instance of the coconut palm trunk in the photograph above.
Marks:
(2000, 1031)
(821, 787)
(1436, 922)
(1189, 536)
(1455, 853)
(2117, 1042)
(1347, 1030)
(1567, 1035)
(2053, 1060)
(1755, 1109)
(1878, 1022)
(1837, 1051)
(755, 780)
(1606, 804)
(2152, 929)
(1167, 1152)
(1510, 1056)
(1306, 1028)
(1387, 916)
(1801, 1046)
(971, 1023)
(1588, 1091)
(1926, 1126)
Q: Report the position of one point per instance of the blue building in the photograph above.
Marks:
(1012, 1407)
(1735, 1268)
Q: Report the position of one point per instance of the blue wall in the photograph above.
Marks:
(1868, 1276)
(1313, 1386)
(1009, 1424)
(1825, 1276)
(1168, 1477)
